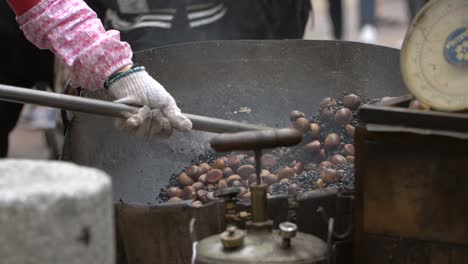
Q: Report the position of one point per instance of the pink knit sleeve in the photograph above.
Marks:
(74, 33)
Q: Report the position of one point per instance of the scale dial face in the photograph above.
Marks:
(434, 58)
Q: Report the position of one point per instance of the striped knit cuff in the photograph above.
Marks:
(117, 76)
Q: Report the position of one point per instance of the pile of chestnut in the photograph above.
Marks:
(324, 152)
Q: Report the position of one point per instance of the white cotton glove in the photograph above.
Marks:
(159, 114)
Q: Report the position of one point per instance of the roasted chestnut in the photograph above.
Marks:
(174, 199)
(237, 183)
(264, 173)
(269, 161)
(332, 141)
(174, 192)
(219, 164)
(233, 178)
(294, 115)
(234, 162)
(338, 159)
(245, 170)
(184, 179)
(327, 101)
(418, 105)
(284, 180)
(343, 116)
(313, 147)
(252, 179)
(350, 130)
(319, 184)
(214, 176)
(298, 167)
(188, 193)
(193, 172)
(270, 179)
(202, 178)
(227, 172)
(286, 172)
(302, 124)
(201, 195)
(351, 101)
(325, 164)
(198, 185)
(349, 149)
(327, 115)
(329, 175)
(314, 130)
(222, 184)
(204, 168)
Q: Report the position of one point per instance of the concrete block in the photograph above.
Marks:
(55, 212)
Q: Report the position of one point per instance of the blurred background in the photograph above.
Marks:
(382, 22)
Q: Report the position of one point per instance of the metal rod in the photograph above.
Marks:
(107, 108)
(258, 165)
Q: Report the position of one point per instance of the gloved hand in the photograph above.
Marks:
(159, 114)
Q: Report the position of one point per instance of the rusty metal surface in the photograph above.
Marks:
(402, 116)
(339, 207)
(342, 252)
(160, 234)
(414, 186)
(264, 247)
(277, 209)
(392, 250)
(308, 219)
(410, 183)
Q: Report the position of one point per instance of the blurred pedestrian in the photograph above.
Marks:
(152, 23)
(414, 6)
(368, 29)
(335, 10)
(22, 65)
(368, 25)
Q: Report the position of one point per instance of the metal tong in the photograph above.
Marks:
(112, 109)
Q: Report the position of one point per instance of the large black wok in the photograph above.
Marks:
(217, 79)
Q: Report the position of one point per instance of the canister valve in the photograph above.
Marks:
(287, 230)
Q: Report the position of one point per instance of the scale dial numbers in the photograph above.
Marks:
(441, 28)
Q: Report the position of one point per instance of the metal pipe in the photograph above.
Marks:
(259, 203)
(258, 165)
(107, 108)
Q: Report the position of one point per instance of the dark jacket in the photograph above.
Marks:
(22, 63)
(151, 23)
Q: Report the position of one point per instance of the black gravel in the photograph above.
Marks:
(287, 156)
(306, 181)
